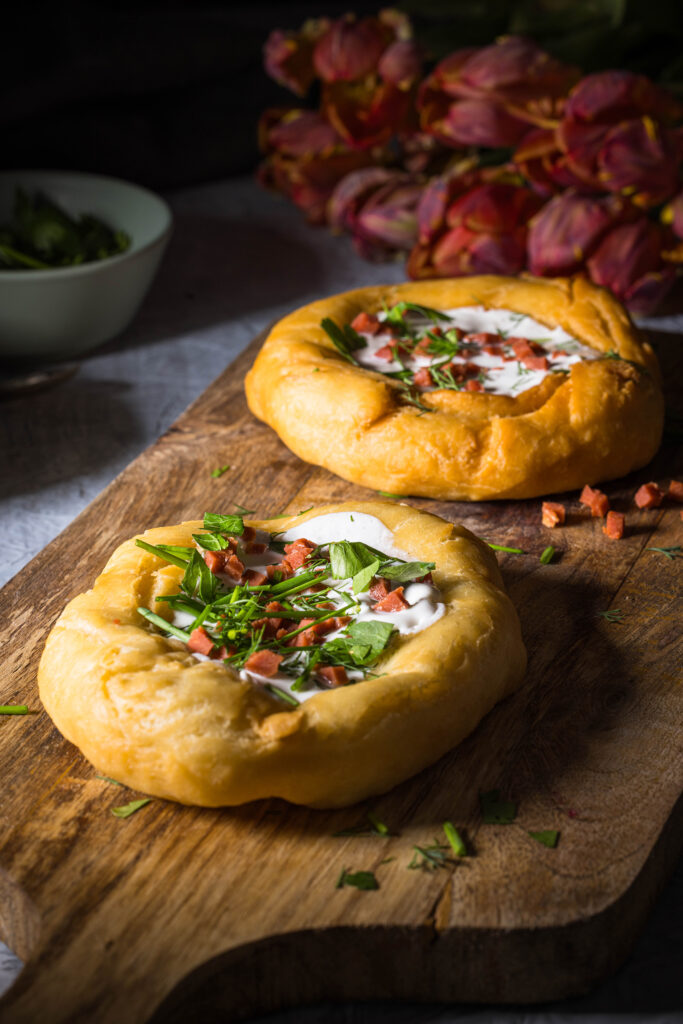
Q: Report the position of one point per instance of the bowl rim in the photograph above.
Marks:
(94, 266)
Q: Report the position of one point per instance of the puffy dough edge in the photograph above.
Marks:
(148, 714)
(604, 420)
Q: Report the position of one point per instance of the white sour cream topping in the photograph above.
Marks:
(426, 605)
(501, 377)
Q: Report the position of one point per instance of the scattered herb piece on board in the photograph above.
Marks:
(388, 494)
(219, 471)
(357, 879)
(42, 236)
(496, 810)
(547, 837)
(127, 809)
(106, 778)
(429, 858)
(13, 709)
(612, 615)
(670, 553)
(377, 828)
(547, 555)
(456, 841)
(500, 547)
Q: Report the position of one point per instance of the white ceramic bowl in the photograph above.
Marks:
(55, 314)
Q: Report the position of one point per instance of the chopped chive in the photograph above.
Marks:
(429, 858)
(219, 471)
(105, 778)
(378, 825)
(500, 547)
(670, 553)
(455, 839)
(547, 555)
(157, 620)
(127, 809)
(13, 709)
(388, 494)
(612, 615)
(547, 837)
(165, 555)
(277, 691)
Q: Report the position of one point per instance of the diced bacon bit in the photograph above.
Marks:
(219, 653)
(298, 551)
(248, 533)
(341, 620)
(255, 547)
(393, 602)
(254, 578)
(439, 333)
(117, 622)
(491, 349)
(215, 560)
(474, 385)
(484, 338)
(614, 525)
(282, 569)
(675, 491)
(423, 344)
(233, 568)
(649, 496)
(263, 663)
(379, 588)
(232, 543)
(559, 352)
(200, 642)
(427, 578)
(423, 378)
(528, 353)
(334, 675)
(595, 500)
(386, 352)
(366, 323)
(552, 513)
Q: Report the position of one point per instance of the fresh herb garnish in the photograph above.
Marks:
(496, 810)
(395, 314)
(232, 525)
(378, 828)
(670, 553)
(547, 837)
(105, 778)
(363, 578)
(402, 572)
(160, 552)
(547, 555)
(281, 694)
(364, 880)
(500, 547)
(388, 494)
(219, 471)
(429, 858)
(127, 809)
(168, 627)
(345, 339)
(13, 709)
(347, 558)
(612, 615)
(455, 839)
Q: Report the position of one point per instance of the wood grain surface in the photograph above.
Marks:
(183, 914)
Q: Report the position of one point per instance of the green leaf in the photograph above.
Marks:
(348, 558)
(362, 579)
(127, 809)
(358, 880)
(211, 541)
(547, 837)
(405, 571)
(496, 810)
(372, 634)
(455, 839)
(233, 525)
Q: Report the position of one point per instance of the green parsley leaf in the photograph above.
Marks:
(405, 571)
(127, 809)
(373, 634)
(364, 880)
(547, 837)
(496, 810)
(211, 541)
(13, 709)
(348, 558)
(547, 555)
(233, 525)
(455, 839)
(362, 579)
(219, 471)
(199, 579)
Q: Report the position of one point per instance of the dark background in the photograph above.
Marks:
(169, 94)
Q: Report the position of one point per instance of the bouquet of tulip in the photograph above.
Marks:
(501, 159)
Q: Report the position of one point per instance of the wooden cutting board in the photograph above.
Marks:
(183, 914)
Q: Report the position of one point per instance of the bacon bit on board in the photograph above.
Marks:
(474, 385)
(393, 602)
(552, 514)
(675, 491)
(366, 323)
(263, 663)
(649, 496)
(379, 588)
(335, 675)
(614, 525)
(595, 500)
(423, 378)
(200, 642)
